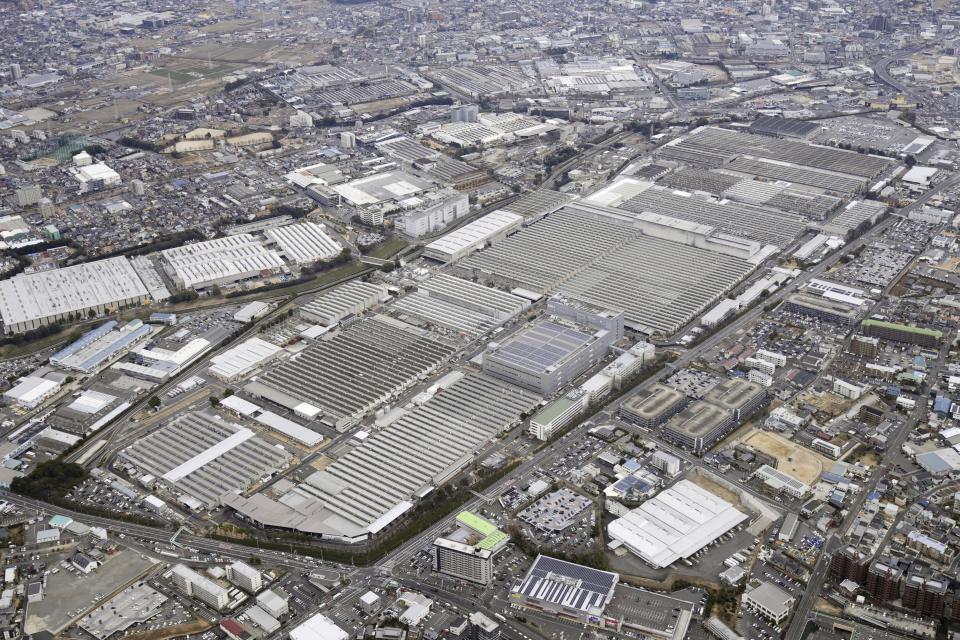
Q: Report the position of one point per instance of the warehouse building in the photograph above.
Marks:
(546, 356)
(303, 243)
(601, 257)
(468, 551)
(460, 305)
(221, 261)
(204, 457)
(760, 224)
(371, 486)
(347, 300)
(713, 147)
(30, 392)
(29, 301)
(97, 348)
(653, 406)
(318, 627)
(569, 591)
(200, 587)
(535, 205)
(675, 524)
(458, 244)
(348, 376)
(901, 333)
(242, 360)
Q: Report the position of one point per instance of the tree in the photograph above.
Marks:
(154, 402)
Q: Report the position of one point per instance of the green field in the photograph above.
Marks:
(388, 249)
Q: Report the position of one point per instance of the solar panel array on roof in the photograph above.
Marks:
(542, 346)
(568, 585)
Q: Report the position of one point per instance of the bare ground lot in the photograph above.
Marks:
(803, 464)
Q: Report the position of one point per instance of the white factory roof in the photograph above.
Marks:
(31, 389)
(620, 190)
(98, 171)
(27, 297)
(221, 260)
(305, 242)
(208, 455)
(243, 358)
(270, 419)
(241, 406)
(919, 175)
(289, 428)
(179, 357)
(675, 524)
(91, 402)
(318, 627)
(475, 234)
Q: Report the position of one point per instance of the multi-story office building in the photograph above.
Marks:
(769, 601)
(483, 628)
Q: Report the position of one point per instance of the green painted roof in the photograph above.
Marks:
(903, 327)
(553, 410)
(492, 537)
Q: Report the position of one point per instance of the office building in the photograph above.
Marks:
(483, 628)
(200, 587)
(558, 414)
(769, 601)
